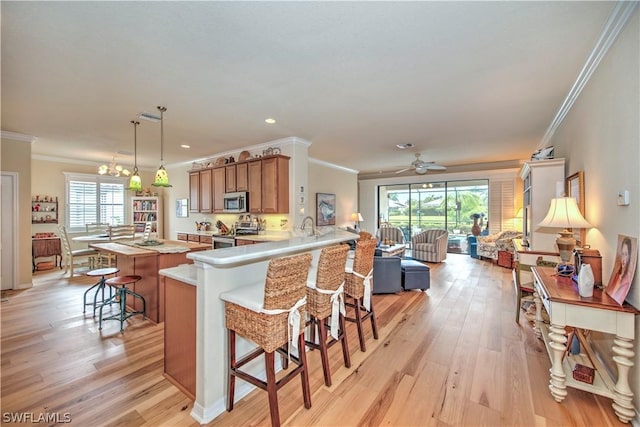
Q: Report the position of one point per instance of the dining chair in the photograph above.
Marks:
(71, 256)
(122, 232)
(97, 228)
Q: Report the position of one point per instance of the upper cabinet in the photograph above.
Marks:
(275, 185)
(266, 180)
(219, 188)
(200, 195)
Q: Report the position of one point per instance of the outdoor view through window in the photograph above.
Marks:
(453, 205)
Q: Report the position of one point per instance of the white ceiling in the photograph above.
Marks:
(465, 82)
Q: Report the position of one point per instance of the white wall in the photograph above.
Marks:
(601, 136)
(325, 178)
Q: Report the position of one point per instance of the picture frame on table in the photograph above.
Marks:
(325, 209)
(624, 268)
(574, 187)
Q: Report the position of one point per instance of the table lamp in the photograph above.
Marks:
(356, 218)
(564, 213)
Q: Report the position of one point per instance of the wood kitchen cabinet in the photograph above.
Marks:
(268, 180)
(230, 178)
(275, 185)
(200, 189)
(254, 179)
(242, 182)
(219, 186)
(194, 191)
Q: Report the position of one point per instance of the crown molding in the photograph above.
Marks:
(615, 23)
(17, 137)
(333, 166)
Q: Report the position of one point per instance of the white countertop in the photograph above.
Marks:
(186, 273)
(271, 249)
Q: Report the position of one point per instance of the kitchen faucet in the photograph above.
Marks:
(303, 227)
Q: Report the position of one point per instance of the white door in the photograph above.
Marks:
(8, 230)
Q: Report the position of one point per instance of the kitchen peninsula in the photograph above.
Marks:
(212, 273)
(131, 258)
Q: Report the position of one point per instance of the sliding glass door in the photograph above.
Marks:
(450, 205)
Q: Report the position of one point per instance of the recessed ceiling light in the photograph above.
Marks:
(185, 146)
(270, 120)
(404, 146)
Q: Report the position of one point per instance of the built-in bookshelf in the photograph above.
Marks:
(147, 209)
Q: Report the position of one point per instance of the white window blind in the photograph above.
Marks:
(94, 199)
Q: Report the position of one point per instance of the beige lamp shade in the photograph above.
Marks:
(356, 217)
(564, 213)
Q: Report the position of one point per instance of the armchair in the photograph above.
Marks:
(388, 232)
(488, 246)
(430, 245)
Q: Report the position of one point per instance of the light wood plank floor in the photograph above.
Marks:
(451, 357)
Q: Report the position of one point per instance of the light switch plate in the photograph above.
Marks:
(623, 198)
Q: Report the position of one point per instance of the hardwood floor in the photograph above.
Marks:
(453, 356)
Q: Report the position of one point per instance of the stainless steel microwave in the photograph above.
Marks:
(235, 202)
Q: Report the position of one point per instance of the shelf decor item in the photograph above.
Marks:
(162, 178)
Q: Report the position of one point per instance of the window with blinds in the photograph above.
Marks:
(94, 199)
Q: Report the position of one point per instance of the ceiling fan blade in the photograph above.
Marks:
(403, 170)
(435, 167)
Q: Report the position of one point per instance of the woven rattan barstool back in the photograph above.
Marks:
(358, 287)
(325, 298)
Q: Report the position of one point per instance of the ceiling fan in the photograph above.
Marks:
(421, 167)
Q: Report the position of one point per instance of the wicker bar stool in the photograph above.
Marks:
(120, 283)
(325, 298)
(357, 286)
(269, 314)
(99, 288)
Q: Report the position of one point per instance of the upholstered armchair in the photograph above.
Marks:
(430, 245)
(389, 232)
(488, 246)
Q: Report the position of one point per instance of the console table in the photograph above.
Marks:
(46, 247)
(559, 296)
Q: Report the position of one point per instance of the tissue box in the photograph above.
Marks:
(583, 373)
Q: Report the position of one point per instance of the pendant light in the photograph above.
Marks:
(135, 183)
(162, 179)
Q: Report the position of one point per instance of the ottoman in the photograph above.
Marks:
(415, 275)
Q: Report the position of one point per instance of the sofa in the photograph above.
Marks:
(430, 245)
(488, 246)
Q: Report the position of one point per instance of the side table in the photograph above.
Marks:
(46, 247)
(560, 298)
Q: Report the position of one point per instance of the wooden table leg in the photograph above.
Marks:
(622, 403)
(558, 346)
(536, 326)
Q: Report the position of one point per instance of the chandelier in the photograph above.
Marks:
(113, 169)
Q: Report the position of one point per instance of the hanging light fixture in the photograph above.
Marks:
(162, 179)
(135, 183)
(113, 169)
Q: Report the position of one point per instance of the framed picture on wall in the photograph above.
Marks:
(325, 209)
(574, 187)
